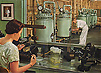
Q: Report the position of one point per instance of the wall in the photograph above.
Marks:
(95, 4)
(95, 0)
(99, 12)
(18, 12)
(32, 10)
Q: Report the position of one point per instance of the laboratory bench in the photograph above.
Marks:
(56, 64)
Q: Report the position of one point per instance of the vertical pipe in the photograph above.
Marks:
(89, 5)
(22, 35)
(71, 2)
(74, 8)
(25, 17)
(58, 5)
(34, 16)
(81, 3)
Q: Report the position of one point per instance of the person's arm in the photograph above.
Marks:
(75, 29)
(14, 66)
(21, 46)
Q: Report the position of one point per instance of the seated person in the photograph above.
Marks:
(9, 53)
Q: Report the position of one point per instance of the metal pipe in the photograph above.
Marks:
(70, 10)
(58, 5)
(35, 26)
(60, 40)
(54, 18)
(22, 12)
(83, 8)
(25, 17)
(48, 2)
(89, 10)
(37, 3)
(67, 6)
(79, 12)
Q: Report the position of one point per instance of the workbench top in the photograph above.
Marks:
(46, 65)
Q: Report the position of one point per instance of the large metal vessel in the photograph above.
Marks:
(45, 18)
(64, 21)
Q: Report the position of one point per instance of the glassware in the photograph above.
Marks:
(39, 59)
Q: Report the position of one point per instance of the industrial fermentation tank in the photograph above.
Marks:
(92, 17)
(45, 18)
(89, 17)
(95, 17)
(64, 21)
(45, 34)
(82, 15)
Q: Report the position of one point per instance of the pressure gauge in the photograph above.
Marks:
(80, 11)
(39, 8)
(95, 11)
(61, 9)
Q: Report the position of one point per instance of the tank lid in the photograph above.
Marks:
(63, 16)
(82, 15)
(43, 15)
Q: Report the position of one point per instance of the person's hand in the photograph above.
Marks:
(21, 46)
(75, 29)
(33, 60)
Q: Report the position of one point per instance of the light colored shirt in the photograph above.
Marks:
(7, 11)
(8, 53)
(81, 23)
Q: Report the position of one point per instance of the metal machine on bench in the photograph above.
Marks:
(29, 49)
(89, 56)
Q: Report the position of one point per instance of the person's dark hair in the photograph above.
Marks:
(13, 26)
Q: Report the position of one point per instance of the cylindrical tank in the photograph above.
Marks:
(53, 35)
(95, 17)
(63, 25)
(82, 15)
(45, 18)
(64, 21)
(89, 17)
(44, 35)
(92, 17)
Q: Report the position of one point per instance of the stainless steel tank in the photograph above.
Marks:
(95, 17)
(44, 35)
(92, 17)
(89, 17)
(64, 21)
(44, 17)
(63, 25)
(82, 15)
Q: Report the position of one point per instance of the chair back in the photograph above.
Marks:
(4, 70)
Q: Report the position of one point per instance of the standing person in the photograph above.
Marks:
(7, 12)
(9, 54)
(81, 24)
